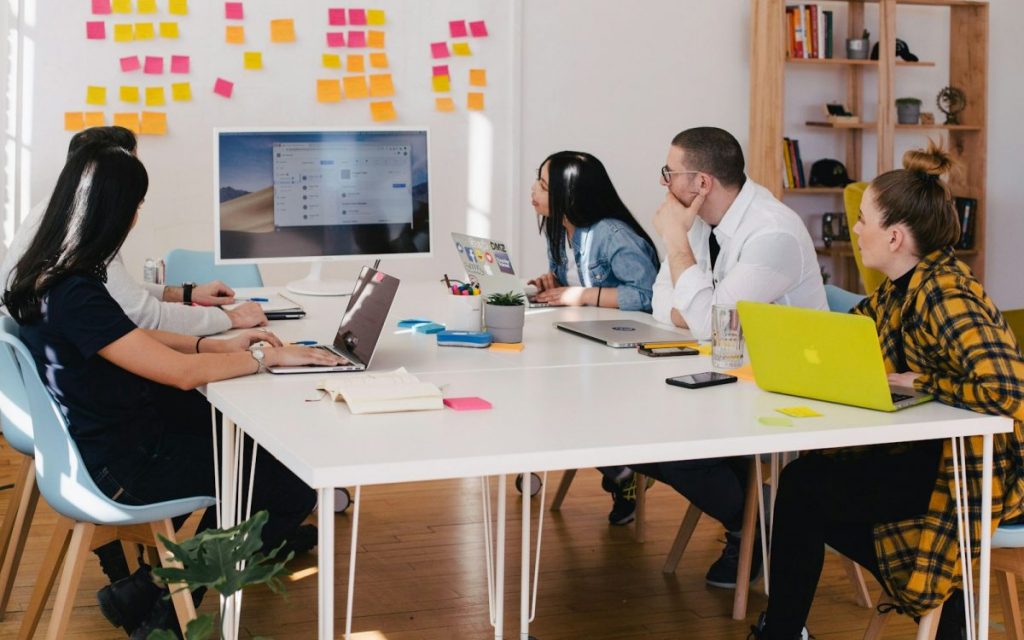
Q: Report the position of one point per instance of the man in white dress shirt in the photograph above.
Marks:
(726, 239)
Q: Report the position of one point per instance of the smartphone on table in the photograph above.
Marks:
(700, 380)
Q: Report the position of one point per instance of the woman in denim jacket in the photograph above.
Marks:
(610, 261)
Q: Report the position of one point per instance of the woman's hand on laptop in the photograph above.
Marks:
(296, 356)
(567, 296)
(544, 282)
(242, 341)
(905, 379)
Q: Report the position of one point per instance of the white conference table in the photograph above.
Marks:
(562, 403)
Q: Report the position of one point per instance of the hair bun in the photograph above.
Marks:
(933, 161)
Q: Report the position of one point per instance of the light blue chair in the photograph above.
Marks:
(840, 299)
(183, 265)
(88, 517)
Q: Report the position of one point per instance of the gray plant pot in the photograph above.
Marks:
(857, 48)
(908, 113)
(505, 323)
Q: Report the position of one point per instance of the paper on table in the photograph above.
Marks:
(746, 372)
(390, 392)
(467, 404)
(799, 412)
(273, 303)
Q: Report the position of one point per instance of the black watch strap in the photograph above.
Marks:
(186, 292)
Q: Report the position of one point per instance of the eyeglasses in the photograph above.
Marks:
(666, 175)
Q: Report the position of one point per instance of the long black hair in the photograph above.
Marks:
(86, 221)
(580, 191)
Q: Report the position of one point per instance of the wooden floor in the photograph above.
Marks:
(421, 575)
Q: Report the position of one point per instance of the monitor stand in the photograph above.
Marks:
(313, 285)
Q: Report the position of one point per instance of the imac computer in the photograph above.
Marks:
(305, 195)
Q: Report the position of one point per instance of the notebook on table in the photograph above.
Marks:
(274, 306)
(390, 392)
(821, 355)
(621, 334)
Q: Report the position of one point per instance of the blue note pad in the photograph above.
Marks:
(477, 339)
(412, 322)
(429, 327)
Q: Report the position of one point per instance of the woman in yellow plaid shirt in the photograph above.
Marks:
(891, 508)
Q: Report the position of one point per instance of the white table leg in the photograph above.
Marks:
(227, 515)
(986, 536)
(499, 564)
(524, 567)
(325, 562)
(352, 561)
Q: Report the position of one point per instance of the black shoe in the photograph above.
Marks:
(757, 630)
(623, 499)
(127, 602)
(302, 540)
(161, 617)
(722, 573)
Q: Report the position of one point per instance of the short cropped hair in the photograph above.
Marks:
(714, 151)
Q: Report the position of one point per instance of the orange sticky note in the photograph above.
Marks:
(442, 84)
(74, 121)
(96, 95)
(444, 104)
(234, 34)
(169, 30)
(382, 111)
(461, 49)
(155, 97)
(375, 17)
(355, 64)
(154, 123)
(328, 90)
(253, 60)
(181, 91)
(178, 7)
(144, 31)
(124, 33)
(478, 77)
(129, 121)
(121, 6)
(355, 87)
(147, 6)
(331, 60)
(95, 119)
(282, 30)
(375, 39)
(129, 94)
(381, 86)
(379, 60)
(475, 101)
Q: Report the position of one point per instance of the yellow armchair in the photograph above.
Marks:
(852, 195)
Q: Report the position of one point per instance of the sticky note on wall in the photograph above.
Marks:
(282, 30)
(381, 86)
(336, 39)
(96, 95)
(331, 61)
(129, 121)
(444, 104)
(121, 6)
(101, 7)
(355, 63)
(478, 77)
(129, 94)
(169, 30)
(379, 60)
(441, 70)
(478, 29)
(153, 123)
(178, 7)
(74, 121)
(375, 39)
(439, 50)
(223, 87)
(355, 87)
(154, 65)
(375, 17)
(234, 34)
(442, 84)
(180, 64)
(147, 6)
(328, 90)
(144, 31)
(357, 17)
(124, 33)
(461, 49)
(475, 101)
(130, 63)
(336, 17)
(181, 91)
(357, 39)
(457, 28)
(234, 11)
(155, 97)
(96, 30)
(252, 60)
(95, 119)
(383, 111)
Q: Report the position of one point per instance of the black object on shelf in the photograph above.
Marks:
(966, 209)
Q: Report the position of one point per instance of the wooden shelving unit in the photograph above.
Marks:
(968, 70)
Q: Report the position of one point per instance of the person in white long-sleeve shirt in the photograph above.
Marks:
(150, 306)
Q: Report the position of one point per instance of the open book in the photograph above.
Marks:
(398, 390)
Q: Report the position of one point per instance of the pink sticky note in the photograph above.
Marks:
(439, 50)
(234, 11)
(457, 28)
(154, 65)
(130, 63)
(96, 30)
(223, 88)
(101, 7)
(356, 39)
(179, 64)
(336, 17)
(441, 70)
(467, 404)
(478, 29)
(336, 39)
(357, 16)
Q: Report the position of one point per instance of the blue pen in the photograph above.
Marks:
(306, 343)
(256, 299)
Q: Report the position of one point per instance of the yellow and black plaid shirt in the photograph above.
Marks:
(967, 356)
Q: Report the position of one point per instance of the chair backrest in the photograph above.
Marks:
(840, 299)
(183, 265)
(852, 195)
(15, 415)
(1015, 318)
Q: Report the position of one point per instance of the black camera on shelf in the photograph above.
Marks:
(834, 228)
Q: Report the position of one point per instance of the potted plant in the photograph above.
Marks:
(504, 315)
(908, 110)
(857, 48)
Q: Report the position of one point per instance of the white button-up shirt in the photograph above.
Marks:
(766, 256)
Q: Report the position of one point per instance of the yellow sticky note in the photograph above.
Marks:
(375, 39)
(129, 94)
(331, 60)
(475, 101)
(253, 60)
(282, 30)
(799, 412)
(74, 121)
(379, 60)
(442, 84)
(144, 31)
(444, 104)
(461, 49)
(775, 421)
(154, 123)
(96, 95)
(124, 33)
(478, 77)
(328, 90)
(181, 91)
(178, 7)
(234, 34)
(382, 111)
(355, 64)
(704, 349)
(121, 6)
(95, 119)
(381, 86)
(506, 346)
(129, 121)
(155, 97)
(169, 30)
(355, 87)
(147, 6)
(375, 17)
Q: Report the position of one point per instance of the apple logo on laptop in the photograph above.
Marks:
(812, 356)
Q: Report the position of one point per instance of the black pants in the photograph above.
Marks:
(836, 501)
(716, 486)
(180, 465)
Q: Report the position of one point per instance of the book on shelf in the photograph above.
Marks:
(966, 209)
(794, 167)
(390, 392)
(809, 30)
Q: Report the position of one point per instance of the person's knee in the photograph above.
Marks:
(802, 480)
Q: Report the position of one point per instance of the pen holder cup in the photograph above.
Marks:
(463, 313)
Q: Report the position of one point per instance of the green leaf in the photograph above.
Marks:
(201, 628)
(162, 634)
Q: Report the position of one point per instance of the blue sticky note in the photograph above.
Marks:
(429, 327)
(412, 322)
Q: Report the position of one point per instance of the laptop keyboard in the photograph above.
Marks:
(899, 397)
(334, 353)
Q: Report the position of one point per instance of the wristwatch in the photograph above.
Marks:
(186, 292)
(258, 355)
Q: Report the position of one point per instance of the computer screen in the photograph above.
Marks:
(325, 194)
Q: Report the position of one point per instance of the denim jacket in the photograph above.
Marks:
(609, 254)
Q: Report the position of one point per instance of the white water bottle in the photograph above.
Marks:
(149, 271)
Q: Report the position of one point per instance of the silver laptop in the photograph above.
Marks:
(488, 264)
(622, 334)
(361, 326)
